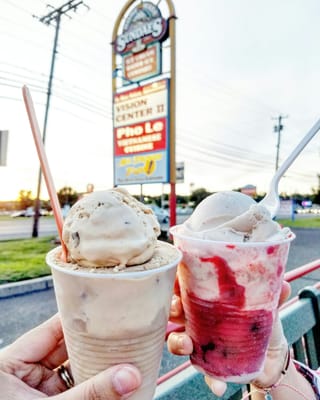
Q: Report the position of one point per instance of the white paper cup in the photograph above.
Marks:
(230, 293)
(114, 318)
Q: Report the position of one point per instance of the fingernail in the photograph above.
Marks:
(125, 380)
(174, 306)
(216, 386)
(181, 341)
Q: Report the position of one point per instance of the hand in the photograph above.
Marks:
(181, 344)
(28, 370)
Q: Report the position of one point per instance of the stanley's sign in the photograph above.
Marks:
(144, 25)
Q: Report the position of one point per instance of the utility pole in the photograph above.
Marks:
(52, 18)
(278, 128)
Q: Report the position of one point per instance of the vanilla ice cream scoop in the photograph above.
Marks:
(217, 209)
(232, 216)
(110, 228)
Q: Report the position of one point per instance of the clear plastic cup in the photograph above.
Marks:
(112, 318)
(230, 293)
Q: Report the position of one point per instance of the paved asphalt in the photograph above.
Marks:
(21, 228)
(20, 313)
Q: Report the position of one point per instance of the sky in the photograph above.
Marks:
(240, 64)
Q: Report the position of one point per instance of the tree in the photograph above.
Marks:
(46, 205)
(25, 200)
(315, 197)
(198, 195)
(67, 196)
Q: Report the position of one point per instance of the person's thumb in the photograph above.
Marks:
(115, 383)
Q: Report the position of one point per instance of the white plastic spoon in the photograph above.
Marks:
(271, 200)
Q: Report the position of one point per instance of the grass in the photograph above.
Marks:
(5, 218)
(308, 222)
(24, 259)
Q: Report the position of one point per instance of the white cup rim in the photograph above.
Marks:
(174, 231)
(117, 275)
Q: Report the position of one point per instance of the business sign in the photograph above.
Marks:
(180, 172)
(141, 137)
(286, 208)
(143, 65)
(249, 190)
(144, 25)
(3, 147)
(139, 44)
(141, 134)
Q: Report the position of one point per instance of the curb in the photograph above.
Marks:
(8, 290)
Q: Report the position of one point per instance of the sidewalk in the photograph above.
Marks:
(8, 290)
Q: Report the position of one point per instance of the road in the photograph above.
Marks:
(21, 228)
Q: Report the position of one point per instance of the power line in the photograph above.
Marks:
(76, 99)
(40, 79)
(53, 17)
(216, 92)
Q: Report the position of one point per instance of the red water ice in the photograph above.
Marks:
(228, 340)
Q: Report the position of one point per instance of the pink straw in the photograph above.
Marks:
(44, 165)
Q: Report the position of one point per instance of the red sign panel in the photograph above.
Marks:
(142, 137)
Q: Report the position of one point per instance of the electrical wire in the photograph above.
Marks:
(211, 91)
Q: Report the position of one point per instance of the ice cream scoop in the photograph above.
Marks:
(110, 228)
(232, 216)
(218, 209)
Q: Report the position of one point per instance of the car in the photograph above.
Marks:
(184, 210)
(28, 212)
(315, 209)
(161, 214)
(20, 213)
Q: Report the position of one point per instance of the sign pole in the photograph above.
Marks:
(172, 34)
